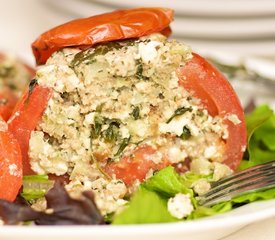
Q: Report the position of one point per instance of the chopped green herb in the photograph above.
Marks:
(186, 134)
(178, 112)
(88, 56)
(123, 145)
(96, 127)
(98, 166)
(99, 108)
(32, 85)
(112, 132)
(139, 69)
(136, 112)
(161, 96)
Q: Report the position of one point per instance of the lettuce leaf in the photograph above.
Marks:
(149, 203)
(261, 141)
(168, 183)
(145, 207)
(35, 187)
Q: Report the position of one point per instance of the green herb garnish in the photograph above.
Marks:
(123, 145)
(89, 56)
(136, 112)
(178, 112)
(186, 134)
(96, 127)
(112, 132)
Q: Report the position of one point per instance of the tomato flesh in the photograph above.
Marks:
(136, 165)
(10, 164)
(26, 116)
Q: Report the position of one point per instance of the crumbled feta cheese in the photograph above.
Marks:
(194, 130)
(210, 151)
(122, 63)
(174, 82)
(124, 132)
(201, 186)
(59, 77)
(175, 126)
(156, 157)
(243, 148)
(220, 171)
(3, 126)
(73, 111)
(139, 128)
(14, 171)
(180, 206)
(200, 166)
(234, 119)
(148, 51)
(89, 118)
(143, 86)
(175, 155)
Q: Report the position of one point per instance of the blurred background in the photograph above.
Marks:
(242, 27)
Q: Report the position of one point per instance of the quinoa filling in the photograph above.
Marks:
(111, 99)
(13, 74)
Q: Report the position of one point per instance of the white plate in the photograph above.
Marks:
(220, 8)
(211, 228)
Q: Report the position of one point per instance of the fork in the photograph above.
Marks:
(260, 177)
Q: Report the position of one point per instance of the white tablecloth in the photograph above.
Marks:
(264, 230)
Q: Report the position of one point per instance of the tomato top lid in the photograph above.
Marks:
(117, 25)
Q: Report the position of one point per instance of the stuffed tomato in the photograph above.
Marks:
(14, 77)
(115, 100)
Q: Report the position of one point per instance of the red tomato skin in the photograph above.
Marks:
(219, 98)
(10, 164)
(117, 25)
(26, 117)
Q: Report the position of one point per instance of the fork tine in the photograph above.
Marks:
(240, 190)
(248, 177)
(249, 180)
(260, 167)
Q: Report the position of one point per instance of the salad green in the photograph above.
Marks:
(35, 187)
(261, 141)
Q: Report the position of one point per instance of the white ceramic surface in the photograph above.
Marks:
(205, 229)
(245, 218)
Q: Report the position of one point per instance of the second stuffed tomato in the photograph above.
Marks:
(122, 102)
